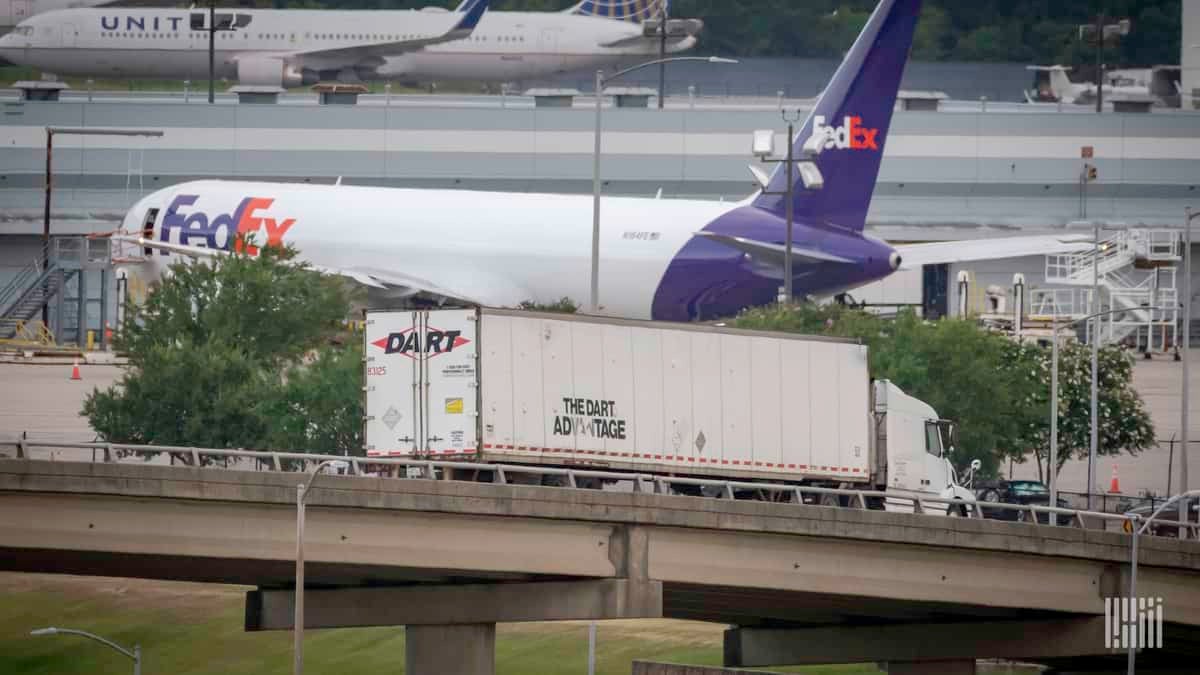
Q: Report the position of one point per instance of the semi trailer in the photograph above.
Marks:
(695, 400)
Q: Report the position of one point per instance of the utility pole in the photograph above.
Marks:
(1099, 64)
(1184, 484)
(212, 51)
(789, 209)
(662, 55)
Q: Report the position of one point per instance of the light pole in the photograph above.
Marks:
(51, 132)
(1052, 470)
(1187, 320)
(1095, 307)
(810, 174)
(601, 83)
(298, 617)
(1184, 498)
(135, 653)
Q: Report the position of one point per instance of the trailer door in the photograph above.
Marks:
(447, 357)
(421, 386)
(390, 386)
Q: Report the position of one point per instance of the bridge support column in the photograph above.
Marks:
(465, 649)
(961, 667)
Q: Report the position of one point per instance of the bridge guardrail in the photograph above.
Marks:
(428, 469)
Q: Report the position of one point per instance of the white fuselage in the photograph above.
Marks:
(495, 248)
(505, 46)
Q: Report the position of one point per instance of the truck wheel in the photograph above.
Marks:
(958, 510)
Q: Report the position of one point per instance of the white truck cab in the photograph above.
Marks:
(916, 445)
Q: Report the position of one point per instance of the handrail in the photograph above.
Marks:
(728, 489)
(19, 282)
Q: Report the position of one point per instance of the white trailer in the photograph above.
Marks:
(491, 385)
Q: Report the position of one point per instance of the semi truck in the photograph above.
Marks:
(693, 400)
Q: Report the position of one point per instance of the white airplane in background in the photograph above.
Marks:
(662, 259)
(294, 47)
(1133, 83)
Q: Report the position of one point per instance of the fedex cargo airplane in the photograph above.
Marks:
(294, 47)
(661, 259)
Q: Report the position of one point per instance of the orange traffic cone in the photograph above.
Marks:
(75, 371)
(1114, 486)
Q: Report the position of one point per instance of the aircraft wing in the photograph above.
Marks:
(772, 253)
(396, 284)
(471, 11)
(943, 252)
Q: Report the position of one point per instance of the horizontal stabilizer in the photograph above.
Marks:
(913, 256)
(773, 253)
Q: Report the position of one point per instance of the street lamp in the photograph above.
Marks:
(1184, 498)
(1103, 31)
(51, 132)
(810, 174)
(1187, 320)
(135, 653)
(601, 83)
(1052, 472)
(298, 617)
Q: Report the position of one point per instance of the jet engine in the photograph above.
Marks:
(267, 72)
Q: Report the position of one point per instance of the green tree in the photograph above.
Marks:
(1124, 421)
(997, 391)
(236, 352)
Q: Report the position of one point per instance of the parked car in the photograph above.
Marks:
(1018, 492)
(1171, 513)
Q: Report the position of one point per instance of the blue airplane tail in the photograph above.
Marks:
(853, 117)
(635, 11)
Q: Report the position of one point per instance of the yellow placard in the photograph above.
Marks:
(454, 406)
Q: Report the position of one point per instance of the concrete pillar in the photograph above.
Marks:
(931, 667)
(468, 649)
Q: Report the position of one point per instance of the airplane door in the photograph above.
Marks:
(49, 35)
(549, 47)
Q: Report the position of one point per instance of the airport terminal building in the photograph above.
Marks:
(952, 170)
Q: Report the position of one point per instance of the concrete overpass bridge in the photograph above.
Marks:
(450, 559)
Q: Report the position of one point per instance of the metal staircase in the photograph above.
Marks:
(1136, 272)
(22, 299)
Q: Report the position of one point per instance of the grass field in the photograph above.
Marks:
(186, 629)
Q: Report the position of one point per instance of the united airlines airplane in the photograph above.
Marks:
(289, 47)
(661, 259)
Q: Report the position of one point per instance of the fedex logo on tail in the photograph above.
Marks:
(851, 135)
(248, 222)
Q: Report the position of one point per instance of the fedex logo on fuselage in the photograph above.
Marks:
(852, 135)
(226, 231)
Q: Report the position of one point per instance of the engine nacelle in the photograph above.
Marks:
(267, 72)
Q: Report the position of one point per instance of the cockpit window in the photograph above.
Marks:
(23, 30)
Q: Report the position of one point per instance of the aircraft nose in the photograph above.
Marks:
(895, 260)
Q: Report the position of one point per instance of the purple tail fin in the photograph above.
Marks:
(853, 115)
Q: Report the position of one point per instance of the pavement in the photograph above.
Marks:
(43, 401)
